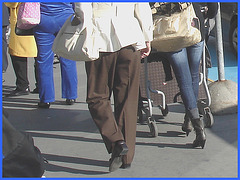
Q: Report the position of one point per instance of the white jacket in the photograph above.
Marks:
(117, 25)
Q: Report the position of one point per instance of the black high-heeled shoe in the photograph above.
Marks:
(43, 105)
(119, 150)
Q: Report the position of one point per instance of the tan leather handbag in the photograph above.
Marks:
(176, 31)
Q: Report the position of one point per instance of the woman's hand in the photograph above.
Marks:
(146, 51)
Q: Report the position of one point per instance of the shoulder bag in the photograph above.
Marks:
(28, 15)
(176, 30)
(74, 41)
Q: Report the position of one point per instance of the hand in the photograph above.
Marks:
(146, 51)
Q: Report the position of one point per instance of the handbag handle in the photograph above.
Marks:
(75, 21)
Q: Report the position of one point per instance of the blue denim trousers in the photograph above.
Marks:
(185, 64)
(45, 34)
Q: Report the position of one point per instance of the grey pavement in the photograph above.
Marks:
(71, 143)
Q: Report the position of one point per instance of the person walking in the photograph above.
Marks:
(185, 64)
(53, 16)
(123, 32)
(20, 48)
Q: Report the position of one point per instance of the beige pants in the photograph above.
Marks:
(117, 73)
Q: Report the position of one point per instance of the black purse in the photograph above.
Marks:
(23, 32)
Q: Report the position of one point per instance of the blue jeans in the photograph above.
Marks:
(45, 34)
(185, 64)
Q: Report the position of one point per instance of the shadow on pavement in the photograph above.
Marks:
(75, 160)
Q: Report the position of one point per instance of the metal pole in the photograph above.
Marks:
(219, 42)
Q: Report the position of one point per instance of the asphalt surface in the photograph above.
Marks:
(70, 141)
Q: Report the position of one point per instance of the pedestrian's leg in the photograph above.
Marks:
(126, 90)
(45, 66)
(194, 57)
(100, 74)
(180, 65)
(69, 79)
(20, 69)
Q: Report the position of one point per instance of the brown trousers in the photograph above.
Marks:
(117, 73)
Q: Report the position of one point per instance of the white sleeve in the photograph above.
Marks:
(144, 15)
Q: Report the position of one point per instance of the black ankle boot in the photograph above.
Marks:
(186, 126)
(200, 134)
